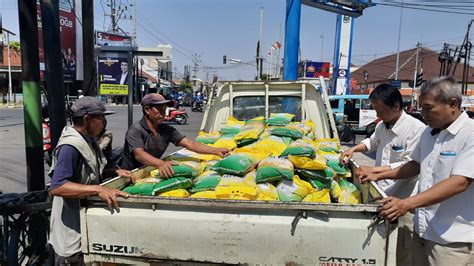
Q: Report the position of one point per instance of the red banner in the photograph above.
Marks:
(67, 27)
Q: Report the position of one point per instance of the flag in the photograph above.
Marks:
(276, 45)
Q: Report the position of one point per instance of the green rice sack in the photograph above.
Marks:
(179, 170)
(294, 190)
(300, 148)
(145, 189)
(337, 167)
(274, 169)
(206, 181)
(323, 176)
(279, 119)
(289, 132)
(172, 184)
(236, 164)
(208, 138)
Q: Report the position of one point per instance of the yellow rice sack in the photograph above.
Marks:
(232, 127)
(226, 141)
(294, 190)
(279, 119)
(319, 196)
(327, 143)
(208, 138)
(349, 193)
(237, 188)
(204, 195)
(308, 163)
(267, 192)
(271, 144)
(177, 193)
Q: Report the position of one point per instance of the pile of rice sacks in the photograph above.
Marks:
(272, 160)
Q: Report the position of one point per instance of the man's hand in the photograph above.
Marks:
(109, 195)
(393, 208)
(222, 152)
(367, 177)
(346, 156)
(165, 169)
(126, 173)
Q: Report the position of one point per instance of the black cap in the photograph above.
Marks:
(88, 106)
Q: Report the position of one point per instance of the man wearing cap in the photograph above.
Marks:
(75, 173)
(146, 140)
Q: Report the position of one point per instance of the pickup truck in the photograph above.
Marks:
(151, 229)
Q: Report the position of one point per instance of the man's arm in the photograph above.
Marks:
(407, 170)
(201, 148)
(76, 190)
(145, 158)
(393, 208)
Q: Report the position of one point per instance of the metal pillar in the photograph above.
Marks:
(292, 39)
(53, 68)
(31, 94)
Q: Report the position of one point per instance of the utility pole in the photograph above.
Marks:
(322, 46)
(415, 74)
(196, 62)
(398, 45)
(53, 67)
(259, 52)
(134, 23)
(89, 84)
(10, 88)
(31, 94)
(113, 16)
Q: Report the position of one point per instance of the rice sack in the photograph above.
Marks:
(274, 169)
(208, 138)
(237, 188)
(300, 148)
(320, 196)
(235, 164)
(293, 190)
(279, 119)
(206, 181)
(307, 163)
(172, 184)
(177, 193)
(267, 192)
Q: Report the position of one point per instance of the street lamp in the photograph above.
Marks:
(10, 89)
(322, 46)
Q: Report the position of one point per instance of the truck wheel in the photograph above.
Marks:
(370, 130)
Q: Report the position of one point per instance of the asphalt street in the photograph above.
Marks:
(12, 142)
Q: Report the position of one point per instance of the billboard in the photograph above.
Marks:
(109, 39)
(67, 27)
(113, 75)
(317, 69)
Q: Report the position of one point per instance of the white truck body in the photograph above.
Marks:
(148, 230)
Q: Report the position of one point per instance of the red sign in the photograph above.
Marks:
(67, 27)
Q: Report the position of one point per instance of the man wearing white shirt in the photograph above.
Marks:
(394, 139)
(444, 160)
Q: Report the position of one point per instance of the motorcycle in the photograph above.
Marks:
(179, 116)
(197, 106)
(47, 147)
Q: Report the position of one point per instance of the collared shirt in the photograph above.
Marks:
(393, 145)
(448, 153)
(139, 135)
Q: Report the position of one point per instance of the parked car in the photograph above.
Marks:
(356, 112)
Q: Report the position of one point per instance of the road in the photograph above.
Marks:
(12, 145)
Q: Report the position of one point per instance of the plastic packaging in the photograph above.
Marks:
(177, 193)
(237, 188)
(235, 164)
(206, 181)
(300, 148)
(320, 196)
(208, 138)
(294, 190)
(274, 169)
(172, 184)
(307, 163)
(267, 192)
(279, 119)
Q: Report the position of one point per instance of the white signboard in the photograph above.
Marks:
(366, 117)
(467, 101)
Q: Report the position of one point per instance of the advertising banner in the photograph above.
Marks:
(109, 39)
(317, 69)
(366, 117)
(67, 27)
(113, 76)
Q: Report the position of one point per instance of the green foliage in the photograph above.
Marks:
(15, 46)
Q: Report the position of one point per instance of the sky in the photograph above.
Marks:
(209, 29)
